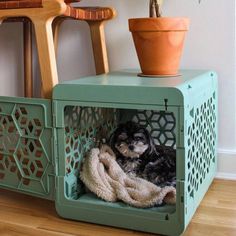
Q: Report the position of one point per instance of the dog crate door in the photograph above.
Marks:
(26, 143)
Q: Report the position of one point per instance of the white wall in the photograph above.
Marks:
(210, 44)
(11, 73)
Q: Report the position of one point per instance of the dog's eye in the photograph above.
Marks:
(138, 138)
(122, 136)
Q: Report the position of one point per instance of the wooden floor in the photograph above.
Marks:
(24, 215)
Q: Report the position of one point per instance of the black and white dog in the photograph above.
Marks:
(138, 155)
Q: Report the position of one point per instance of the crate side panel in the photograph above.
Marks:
(201, 142)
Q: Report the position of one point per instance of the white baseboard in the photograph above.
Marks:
(226, 164)
(226, 176)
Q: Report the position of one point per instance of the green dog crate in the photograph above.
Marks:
(180, 112)
(43, 143)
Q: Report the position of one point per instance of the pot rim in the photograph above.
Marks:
(159, 24)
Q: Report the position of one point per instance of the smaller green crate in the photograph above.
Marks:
(180, 112)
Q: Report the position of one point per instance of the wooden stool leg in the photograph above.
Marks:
(27, 38)
(99, 46)
(47, 58)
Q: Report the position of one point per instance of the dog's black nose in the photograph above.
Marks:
(131, 147)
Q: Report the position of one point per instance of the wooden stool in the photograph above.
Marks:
(95, 17)
(42, 13)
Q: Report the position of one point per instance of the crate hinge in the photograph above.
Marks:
(55, 143)
(54, 120)
(56, 186)
(166, 103)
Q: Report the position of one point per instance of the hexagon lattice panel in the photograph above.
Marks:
(24, 147)
(31, 159)
(161, 125)
(201, 144)
(7, 164)
(28, 126)
(9, 134)
(85, 127)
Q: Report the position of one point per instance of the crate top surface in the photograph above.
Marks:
(124, 85)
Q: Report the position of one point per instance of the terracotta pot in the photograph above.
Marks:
(159, 43)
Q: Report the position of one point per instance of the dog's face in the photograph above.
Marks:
(131, 140)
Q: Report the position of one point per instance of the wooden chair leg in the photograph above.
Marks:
(99, 46)
(28, 75)
(46, 53)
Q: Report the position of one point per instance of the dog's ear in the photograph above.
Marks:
(151, 144)
(113, 136)
(112, 140)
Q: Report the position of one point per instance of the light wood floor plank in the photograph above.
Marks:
(14, 229)
(25, 215)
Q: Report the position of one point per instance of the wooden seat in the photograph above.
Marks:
(42, 13)
(14, 4)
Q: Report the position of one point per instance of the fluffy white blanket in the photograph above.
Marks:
(103, 176)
